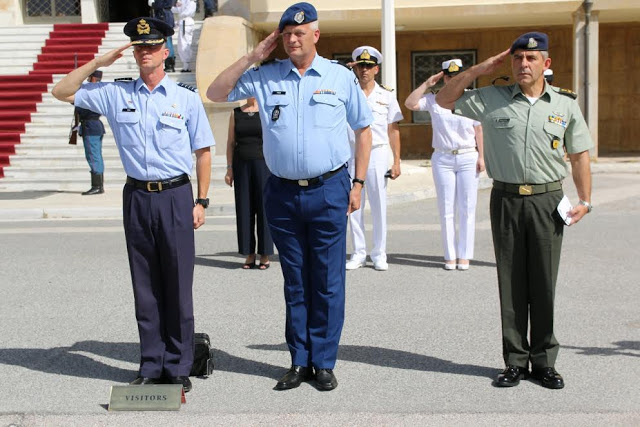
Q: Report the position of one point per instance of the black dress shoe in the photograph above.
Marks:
(293, 378)
(326, 380)
(511, 376)
(146, 381)
(185, 382)
(548, 377)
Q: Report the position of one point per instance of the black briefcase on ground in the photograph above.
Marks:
(202, 356)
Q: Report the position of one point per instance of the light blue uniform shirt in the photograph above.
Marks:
(156, 132)
(309, 137)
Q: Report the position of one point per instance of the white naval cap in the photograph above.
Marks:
(548, 72)
(367, 55)
(452, 66)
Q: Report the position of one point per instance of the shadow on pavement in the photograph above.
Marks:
(398, 359)
(209, 260)
(417, 260)
(67, 361)
(622, 348)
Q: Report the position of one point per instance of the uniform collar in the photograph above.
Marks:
(166, 85)
(546, 94)
(319, 64)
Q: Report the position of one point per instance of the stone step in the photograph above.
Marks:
(19, 31)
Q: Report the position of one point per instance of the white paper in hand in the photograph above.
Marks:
(564, 207)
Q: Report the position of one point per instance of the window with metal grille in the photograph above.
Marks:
(426, 64)
(52, 8)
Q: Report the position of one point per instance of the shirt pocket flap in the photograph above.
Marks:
(326, 98)
(172, 122)
(503, 122)
(128, 117)
(277, 99)
(554, 129)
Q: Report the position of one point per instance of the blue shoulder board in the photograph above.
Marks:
(189, 87)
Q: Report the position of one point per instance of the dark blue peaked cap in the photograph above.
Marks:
(147, 31)
(531, 41)
(298, 14)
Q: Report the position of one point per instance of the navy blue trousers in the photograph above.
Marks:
(160, 242)
(249, 179)
(308, 226)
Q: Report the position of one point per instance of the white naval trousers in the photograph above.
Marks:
(185, 37)
(375, 189)
(456, 182)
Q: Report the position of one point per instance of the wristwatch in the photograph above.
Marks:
(587, 204)
(203, 202)
(358, 181)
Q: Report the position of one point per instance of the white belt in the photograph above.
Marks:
(458, 151)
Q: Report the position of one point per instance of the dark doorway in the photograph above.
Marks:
(126, 10)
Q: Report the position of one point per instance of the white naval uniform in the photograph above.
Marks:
(185, 24)
(455, 177)
(385, 109)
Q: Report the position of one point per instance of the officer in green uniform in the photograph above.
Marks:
(527, 127)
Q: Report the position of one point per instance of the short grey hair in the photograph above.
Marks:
(315, 25)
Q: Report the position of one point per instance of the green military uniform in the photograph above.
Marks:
(524, 154)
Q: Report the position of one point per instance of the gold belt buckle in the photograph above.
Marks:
(525, 190)
(303, 182)
(158, 186)
(454, 152)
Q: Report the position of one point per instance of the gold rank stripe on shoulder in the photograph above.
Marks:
(568, 93)
(382, 103)
(386, 88)
(325, 92)
(174, 115)
(557, 120)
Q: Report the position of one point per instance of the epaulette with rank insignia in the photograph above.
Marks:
(123, 79)
(335, 61)
(267, 62)
(386, 88)
(566, 92)
(189, 87)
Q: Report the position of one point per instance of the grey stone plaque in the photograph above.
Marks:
(164, 397)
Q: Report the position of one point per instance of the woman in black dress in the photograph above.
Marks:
(246, 166)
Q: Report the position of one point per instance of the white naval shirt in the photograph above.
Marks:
(450, 131)
(386, 110)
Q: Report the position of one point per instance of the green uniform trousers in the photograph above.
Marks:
(527, 238)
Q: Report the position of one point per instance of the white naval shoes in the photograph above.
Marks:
(449, 266)
(354, 264)
(380, 265)
(463, 267)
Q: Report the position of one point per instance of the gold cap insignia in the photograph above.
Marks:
(453, 67)
(365, 54)
(143, 27)
(532, 43)
(299, 17)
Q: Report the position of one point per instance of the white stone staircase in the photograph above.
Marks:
(44, 160)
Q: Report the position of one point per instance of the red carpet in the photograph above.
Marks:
(68, 45)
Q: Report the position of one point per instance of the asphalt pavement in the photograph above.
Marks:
(420, 345)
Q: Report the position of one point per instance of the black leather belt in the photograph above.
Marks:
(152, 186)
(527, 189)
(312, 181)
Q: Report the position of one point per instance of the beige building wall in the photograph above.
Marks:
(10, 13)
(224, 39)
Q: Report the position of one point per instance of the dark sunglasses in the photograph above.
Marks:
(367, 66)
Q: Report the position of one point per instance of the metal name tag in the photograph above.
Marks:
(162, 397)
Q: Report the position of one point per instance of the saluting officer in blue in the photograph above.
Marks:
(157, 124)
(307, 102)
